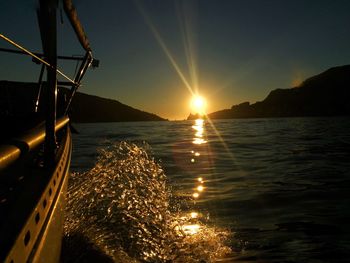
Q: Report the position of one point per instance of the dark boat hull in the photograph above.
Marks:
(36, 224)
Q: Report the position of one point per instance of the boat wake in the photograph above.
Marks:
(122, 210)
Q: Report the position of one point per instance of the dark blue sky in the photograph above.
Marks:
(232, 51)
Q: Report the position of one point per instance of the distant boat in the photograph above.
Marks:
(35, 148)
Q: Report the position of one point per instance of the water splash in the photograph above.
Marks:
(123, 208)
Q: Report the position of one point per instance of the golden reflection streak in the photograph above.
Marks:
(199, 141)
(199, 129)
(199, 122)
(199, 134)
(198, 126)
(188, 224)
(163, 46)
(194, 214)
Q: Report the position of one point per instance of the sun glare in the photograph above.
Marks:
(198, 105)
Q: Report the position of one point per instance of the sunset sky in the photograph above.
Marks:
(153, 52)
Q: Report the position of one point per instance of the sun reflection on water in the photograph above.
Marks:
(191, 229)
(188, 224)
(198, 140)
(199, 128)
(194, 214)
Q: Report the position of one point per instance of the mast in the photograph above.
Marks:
(48, 30)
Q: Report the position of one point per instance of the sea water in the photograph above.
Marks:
(249, 190)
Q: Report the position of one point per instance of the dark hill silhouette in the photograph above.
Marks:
(18, 99)
(88, 108)
(326, 94)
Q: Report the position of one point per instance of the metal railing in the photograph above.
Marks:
(11, 150)
(86, 62)
(47, 134)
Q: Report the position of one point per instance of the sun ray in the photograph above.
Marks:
(163, 46)
(232, 157)
(186, 23)
(191, 59)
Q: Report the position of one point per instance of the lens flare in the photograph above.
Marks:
(198, 105)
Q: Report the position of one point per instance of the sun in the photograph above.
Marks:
(198, 105)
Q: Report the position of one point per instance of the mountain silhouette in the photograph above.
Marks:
(326, 94)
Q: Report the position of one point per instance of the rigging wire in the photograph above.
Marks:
(36, 57)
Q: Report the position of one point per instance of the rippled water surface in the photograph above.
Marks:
(255, 190)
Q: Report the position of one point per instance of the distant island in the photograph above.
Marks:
(326, 94)
(18, 99)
